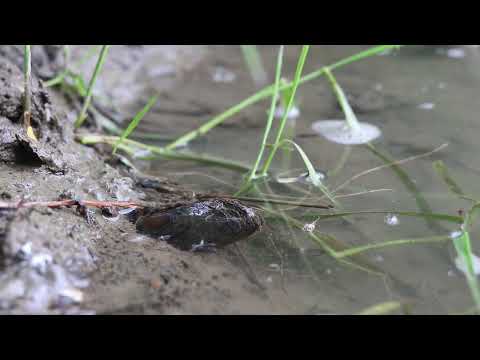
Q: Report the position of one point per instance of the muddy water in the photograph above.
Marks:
(421, 97)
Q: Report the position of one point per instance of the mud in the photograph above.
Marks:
(66, 261)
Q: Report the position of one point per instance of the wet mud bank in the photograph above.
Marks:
(76, 260)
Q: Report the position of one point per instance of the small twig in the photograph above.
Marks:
(267, 201)
(395, 163)
(67, 203)
(101, 59)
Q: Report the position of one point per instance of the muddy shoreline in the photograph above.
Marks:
(62, 261)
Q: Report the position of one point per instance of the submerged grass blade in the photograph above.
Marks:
(135, 121)
(131, 147)
(312, 173)
(382, 309)
(452, 185)
(464, 251)
(442, 171)
(101, 59)
(361, 249)
(422, 204)
(435, 216)
(254, 63)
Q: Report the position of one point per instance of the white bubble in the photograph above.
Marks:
(456, 53)
(294, 113)
(455, 234)
(309, 227)
(274, 267)
(339, 132)
(392, 220)
(222, 75)
(462, 266)
(303, 178)
(426, 106)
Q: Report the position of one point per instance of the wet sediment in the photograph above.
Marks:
(65, 261)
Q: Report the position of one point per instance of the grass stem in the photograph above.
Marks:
(101, 59)
(296, 82)
(27, 107)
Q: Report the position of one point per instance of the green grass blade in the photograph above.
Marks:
(382, 309)
(453, 187)
(471, 216)
(464, 250)
(254, 63)
(442, 171)
(131, 147)
(135, 121)
(268, 127)
(101, 59)
(312, 173)
(422, 204)
(435, 216)
(350, 116)
(298, 74)
(361, 249)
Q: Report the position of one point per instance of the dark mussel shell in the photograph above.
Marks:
(217, 222)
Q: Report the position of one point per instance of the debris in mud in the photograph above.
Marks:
(217, 222)
(15, 144)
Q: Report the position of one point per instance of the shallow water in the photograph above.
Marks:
(423, 97)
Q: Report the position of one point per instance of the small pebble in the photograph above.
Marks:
(156, 284)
